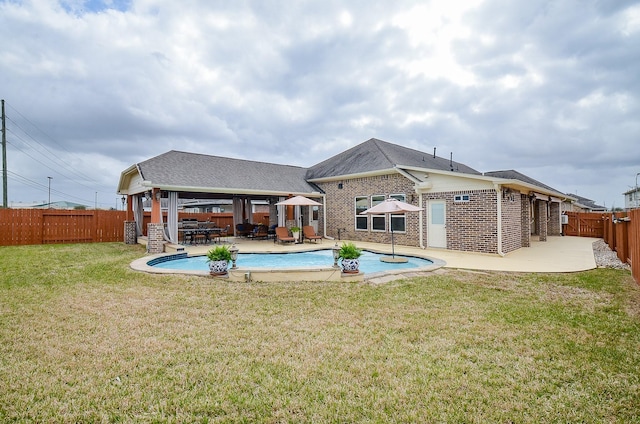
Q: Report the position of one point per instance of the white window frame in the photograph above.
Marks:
(377, 199)
(462, 198)
(399, 216)
(357, 214)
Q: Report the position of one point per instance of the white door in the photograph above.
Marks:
(437, 231)
(313, 217)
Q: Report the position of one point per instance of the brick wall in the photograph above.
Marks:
(511, 221)
(155, 238)
(471, 226)
(554, 227)
(542, 219)
(525, 220)
(341, 208)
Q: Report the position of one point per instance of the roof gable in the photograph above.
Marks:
(376, 155)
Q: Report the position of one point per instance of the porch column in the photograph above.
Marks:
(156, 210)
(542, 220)
(555, 228)
(525, 220)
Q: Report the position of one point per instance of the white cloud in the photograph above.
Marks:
(534, 86)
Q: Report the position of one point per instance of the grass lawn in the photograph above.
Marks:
(85, 339)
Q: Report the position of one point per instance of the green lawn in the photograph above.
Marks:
(85, 339)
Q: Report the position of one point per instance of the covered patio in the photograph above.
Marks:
(165, 181)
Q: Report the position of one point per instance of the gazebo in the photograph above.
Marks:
(174, 175)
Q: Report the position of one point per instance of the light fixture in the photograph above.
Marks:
(147, 195)
(158, 195)
(234, 255)
(335, 250)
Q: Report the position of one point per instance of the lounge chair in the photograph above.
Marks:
(282, 235)
(310, 234)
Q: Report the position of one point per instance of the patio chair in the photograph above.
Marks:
(225, 232)
(259, 232)
(310, 234)
(282, 235)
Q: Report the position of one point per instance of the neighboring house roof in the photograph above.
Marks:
(585, 203)
(376, 155)
(203, 173)
(61, 204)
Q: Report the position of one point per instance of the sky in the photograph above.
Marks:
(548, 88)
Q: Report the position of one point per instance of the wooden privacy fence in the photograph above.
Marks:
(45, 226)
(584, 224)
(622, 234)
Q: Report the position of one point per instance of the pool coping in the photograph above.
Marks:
(319, 273)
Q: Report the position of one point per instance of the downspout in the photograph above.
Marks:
(499, 213)
(421, 223)
(324, 215)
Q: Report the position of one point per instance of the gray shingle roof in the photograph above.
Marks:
(375, 155)
(182, 169)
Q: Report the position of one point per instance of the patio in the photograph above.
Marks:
(557, 254)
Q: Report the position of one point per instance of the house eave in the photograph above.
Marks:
(351, 176)
(230, 190)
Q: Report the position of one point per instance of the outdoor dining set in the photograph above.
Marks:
(194, 232)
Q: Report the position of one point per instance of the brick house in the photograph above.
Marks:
(492, 212)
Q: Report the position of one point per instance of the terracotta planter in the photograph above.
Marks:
(350, 266)
(218, 267)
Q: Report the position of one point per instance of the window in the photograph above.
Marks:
(377, 221)
(362, 204)
(398, 221)
(459, 198)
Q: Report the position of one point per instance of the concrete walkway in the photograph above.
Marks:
(557, 254)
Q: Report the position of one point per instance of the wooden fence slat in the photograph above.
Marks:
(43, 226)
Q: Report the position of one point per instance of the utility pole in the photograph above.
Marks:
(49, 204)
(5, 202)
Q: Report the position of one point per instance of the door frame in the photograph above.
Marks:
(430, 234)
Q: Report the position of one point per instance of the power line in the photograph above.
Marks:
(34, 184)
(58, 162)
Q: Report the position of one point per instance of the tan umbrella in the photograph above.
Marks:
(299, 201)
(387, 208)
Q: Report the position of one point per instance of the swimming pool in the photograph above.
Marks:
(369, 261)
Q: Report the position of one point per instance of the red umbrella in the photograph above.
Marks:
(389, 207)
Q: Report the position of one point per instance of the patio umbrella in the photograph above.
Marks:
(387, 208)
(299, 201)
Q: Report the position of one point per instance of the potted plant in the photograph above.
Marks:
(349, 254)
(218, 259)
(295, 232)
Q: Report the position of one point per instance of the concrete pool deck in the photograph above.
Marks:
(557, 254)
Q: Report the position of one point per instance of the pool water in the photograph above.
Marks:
(369, 261)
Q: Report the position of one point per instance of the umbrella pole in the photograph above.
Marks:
(393, 249)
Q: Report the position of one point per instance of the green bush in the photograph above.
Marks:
(349, 251)
(219, 253)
